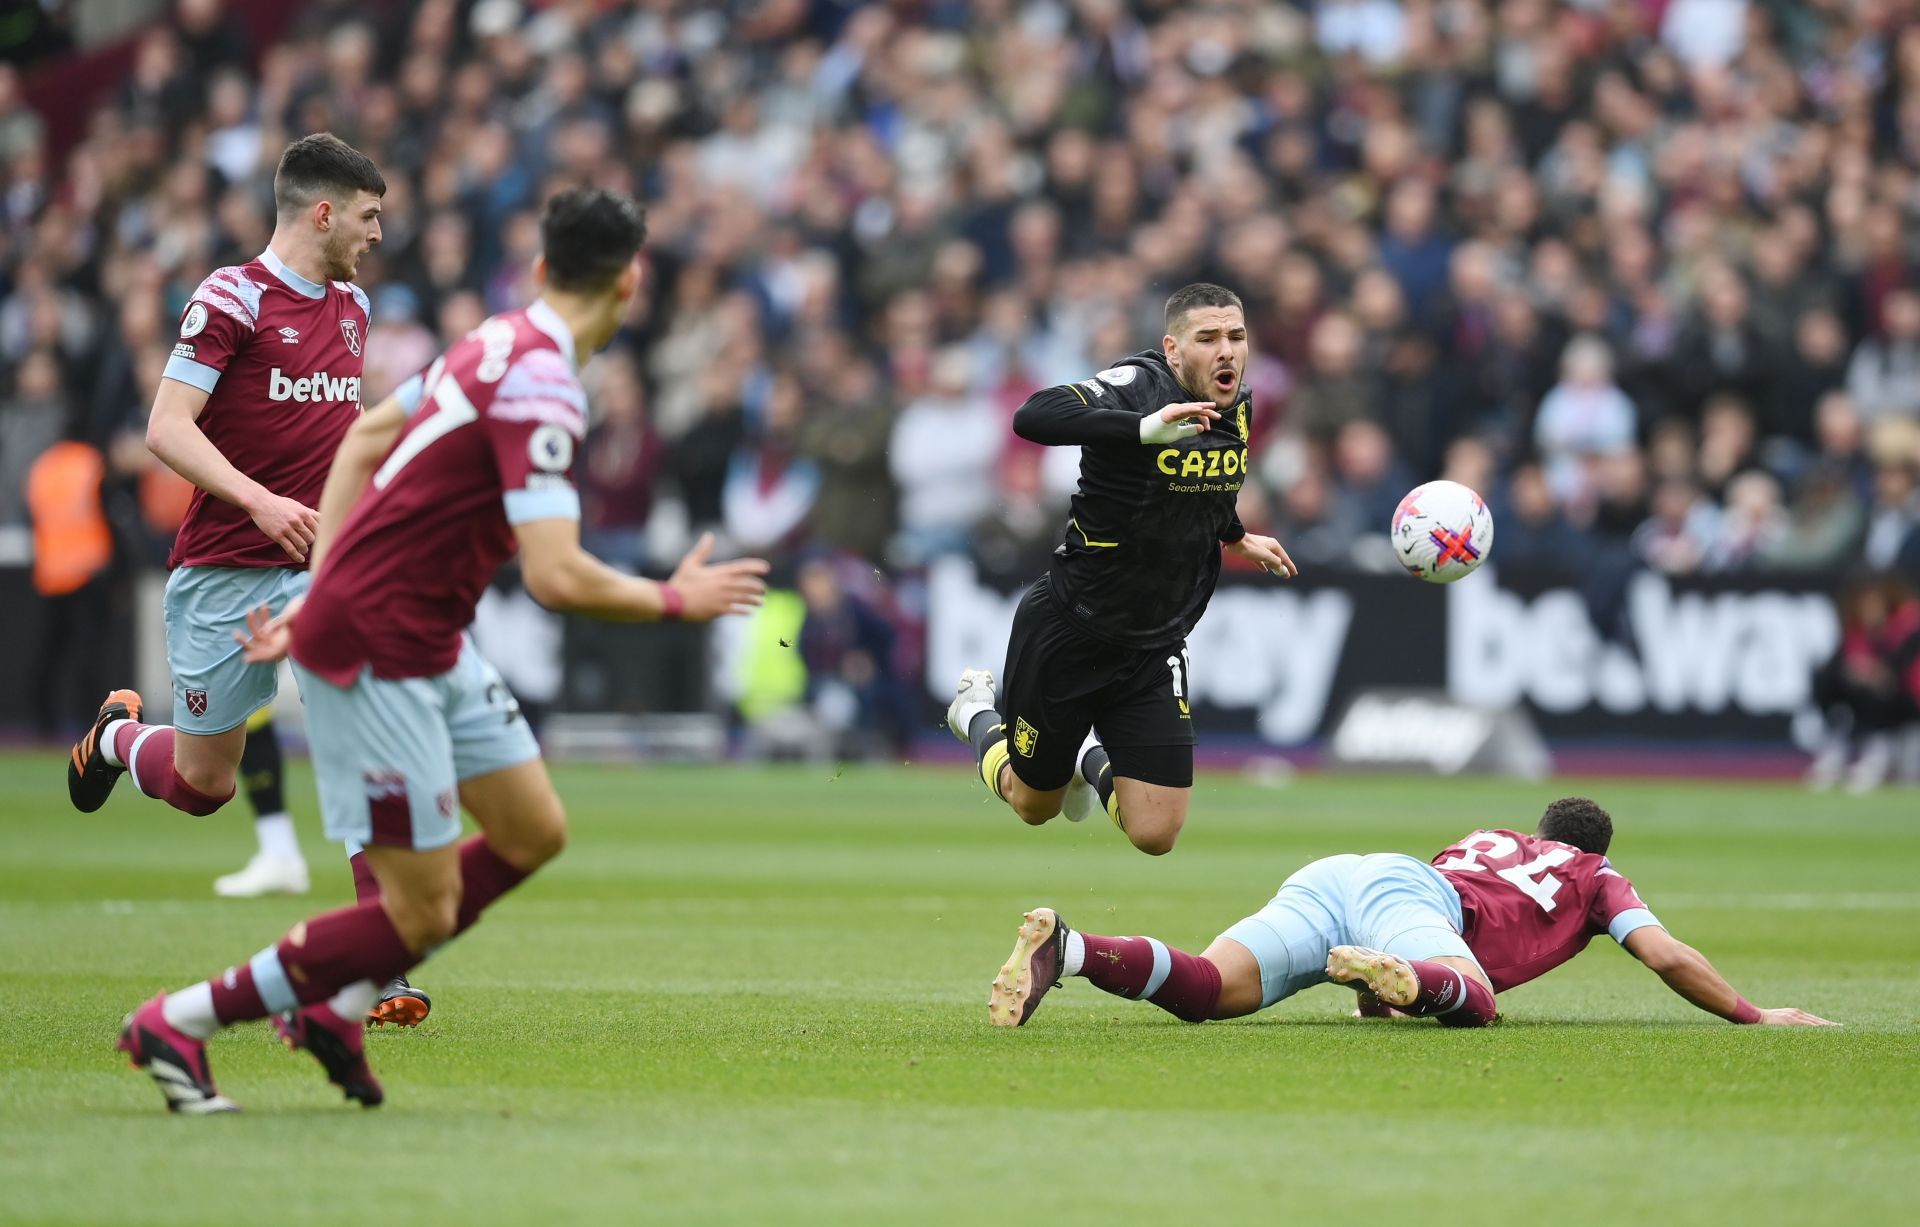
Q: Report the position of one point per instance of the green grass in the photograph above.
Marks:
(757, 996)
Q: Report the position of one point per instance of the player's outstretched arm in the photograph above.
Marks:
(1065, 415)
(367, 441)
(562, 576)
(1687, 972)
(174, 435)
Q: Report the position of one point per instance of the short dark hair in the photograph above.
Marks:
(321, 165)
(590, 235)
(1577, 821)
(1199, 294)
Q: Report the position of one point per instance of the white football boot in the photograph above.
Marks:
(975, 695)
(1083, 799)
(265, 874)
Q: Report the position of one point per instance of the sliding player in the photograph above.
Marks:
(1092, 708)
(1491, 912)
(408, 723)
(263, 384)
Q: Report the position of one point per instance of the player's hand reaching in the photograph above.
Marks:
(268, 638)
(1267, 553)
(1177, 422)
(1787, 1016)
(289, 522)
(708, 590)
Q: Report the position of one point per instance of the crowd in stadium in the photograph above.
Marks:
(1644, 271)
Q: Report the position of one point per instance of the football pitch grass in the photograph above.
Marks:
(752, 995)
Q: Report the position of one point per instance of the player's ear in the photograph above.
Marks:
(322, 215)
(1169, 346)
(540, 271)
(629, 282)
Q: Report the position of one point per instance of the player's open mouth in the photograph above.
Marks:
(1224, 379)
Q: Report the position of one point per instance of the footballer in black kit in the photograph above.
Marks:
(1091, 710)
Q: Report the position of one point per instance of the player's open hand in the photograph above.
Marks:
(713, 589)
(1267, 552)
(290, 523)
(1787, 1016)
(1177, 422)
(268, 638)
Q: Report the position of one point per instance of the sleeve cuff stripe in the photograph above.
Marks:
(525, 506)
(191, 373)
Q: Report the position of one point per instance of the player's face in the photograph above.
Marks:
(1208, 352)
(355, 231)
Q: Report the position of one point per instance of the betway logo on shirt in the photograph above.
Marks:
(321, 387)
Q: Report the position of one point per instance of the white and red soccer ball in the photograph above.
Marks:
(1441, 532)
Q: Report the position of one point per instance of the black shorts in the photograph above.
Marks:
(1058, 683)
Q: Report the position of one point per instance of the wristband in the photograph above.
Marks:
(1745, 1013)
(672, 604)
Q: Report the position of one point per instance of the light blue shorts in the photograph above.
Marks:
(1387, 901)
(389, 755)
(214, 689)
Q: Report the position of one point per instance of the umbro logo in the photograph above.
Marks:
(290, 336)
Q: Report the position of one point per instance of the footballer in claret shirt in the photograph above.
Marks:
(1493, 911)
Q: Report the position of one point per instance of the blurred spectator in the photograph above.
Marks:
(848, 647)
(620, 465)
(1753, 525)
(1871, 687)
(1684, 528)
(72, 549)
(32, 420)
(1884, 376)
(1335, 392)
(943, 451)
(1585, 416)
(1824, 525)
(770, 487)
(845, 438)
(1531, 530)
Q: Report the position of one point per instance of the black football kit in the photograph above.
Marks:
(1100, 640)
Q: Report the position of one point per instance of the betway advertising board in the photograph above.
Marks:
(1711, 658)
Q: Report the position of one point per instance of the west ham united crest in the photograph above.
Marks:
(350, 329)
(197, 702)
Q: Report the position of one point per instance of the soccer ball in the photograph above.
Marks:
(1442, 531)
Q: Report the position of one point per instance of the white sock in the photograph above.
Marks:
(191, 1010)
(106, 741)
(277, 837)
(354, 1000)
(1076, 955)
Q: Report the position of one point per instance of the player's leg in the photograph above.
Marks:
(277, 864)
(505, 786)
(1143, 769)
(1404, 924)
(383, 759)
(1223, 983)
(318, 981)
(1026, 732)
(192, 764)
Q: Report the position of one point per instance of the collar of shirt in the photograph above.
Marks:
(542, 316)
(294, 281)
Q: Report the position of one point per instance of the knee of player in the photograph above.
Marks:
(1154, 834)
(211, 780)
(545, 841)
(1034, 813)
(1156, 842)
(427, 922)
